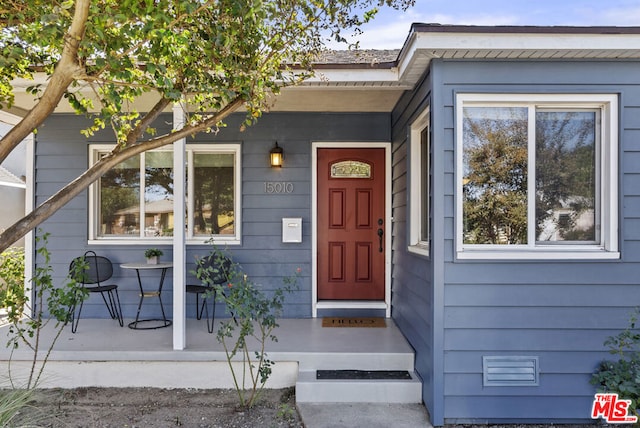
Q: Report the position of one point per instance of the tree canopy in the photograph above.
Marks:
(212, 56)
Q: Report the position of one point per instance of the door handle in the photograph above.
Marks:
(380, 234)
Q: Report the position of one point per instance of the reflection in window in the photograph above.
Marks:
(136, 198)
(496, 163)
(495, 175)
(158, 194)
(213, 194)
(565, 176)
(119, 193)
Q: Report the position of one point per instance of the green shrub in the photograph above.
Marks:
(12, 295)
(253, 317)
(622, 375)
(25, 329)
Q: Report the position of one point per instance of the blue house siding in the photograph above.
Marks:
(62, 154)
(412, 277)
(559, 311)
(453, 312)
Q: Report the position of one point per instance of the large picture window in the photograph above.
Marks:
(537, 174)
(134, 200)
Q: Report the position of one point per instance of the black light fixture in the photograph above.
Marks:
(276, 155)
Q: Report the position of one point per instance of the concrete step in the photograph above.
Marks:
(350, 360)
(311, 390)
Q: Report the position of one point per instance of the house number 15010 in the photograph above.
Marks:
(278, 187)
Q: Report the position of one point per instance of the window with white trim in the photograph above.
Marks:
(134, 200)
(419, 232)
(537, 176)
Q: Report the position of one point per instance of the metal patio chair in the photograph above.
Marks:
(218, 269)
(99, 269)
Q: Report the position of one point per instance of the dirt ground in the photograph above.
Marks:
(191, 408)
(153, 407)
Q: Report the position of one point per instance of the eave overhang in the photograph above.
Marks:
(374, 80)
(427, 42)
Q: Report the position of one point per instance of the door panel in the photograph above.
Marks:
(336, 208)
(351, 209)
(363, 261)
(363, 208)
(336, 261)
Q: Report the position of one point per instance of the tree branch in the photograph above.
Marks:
(63, 75)
(74, 188)
(147, 120)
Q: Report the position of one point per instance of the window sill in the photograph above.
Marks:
(422, 250)
(216, 241)
(159, 241)
(542, 254)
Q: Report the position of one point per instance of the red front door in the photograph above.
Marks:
(351, 224)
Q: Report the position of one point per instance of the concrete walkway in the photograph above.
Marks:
(363, 415)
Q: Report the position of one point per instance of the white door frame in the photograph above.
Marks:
(349, 304)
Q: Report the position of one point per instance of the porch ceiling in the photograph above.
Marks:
(330, 91)
(364, 99)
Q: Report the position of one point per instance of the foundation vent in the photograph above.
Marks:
(510, 371)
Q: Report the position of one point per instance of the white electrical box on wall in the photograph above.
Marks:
(292, 230)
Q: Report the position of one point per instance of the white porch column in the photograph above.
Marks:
(179, 249)
(29, 202)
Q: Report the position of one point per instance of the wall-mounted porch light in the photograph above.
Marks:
(276, 155)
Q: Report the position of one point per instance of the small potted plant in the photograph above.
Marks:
(152, 255)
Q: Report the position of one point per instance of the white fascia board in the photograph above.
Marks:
(525, 41)
(355, 75)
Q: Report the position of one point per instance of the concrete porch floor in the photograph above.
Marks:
(103, 354)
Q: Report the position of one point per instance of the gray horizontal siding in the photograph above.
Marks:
(553, 294)
(506, 408)
(558, 386)
(62, 154)
(412, 290)
(532, 318)
(524, 340)
(560, 311)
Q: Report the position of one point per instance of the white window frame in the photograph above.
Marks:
(607, 247)
(416, 192)
(234, 149)
(235, 239)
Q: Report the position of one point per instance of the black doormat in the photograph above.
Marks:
(363, 375)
